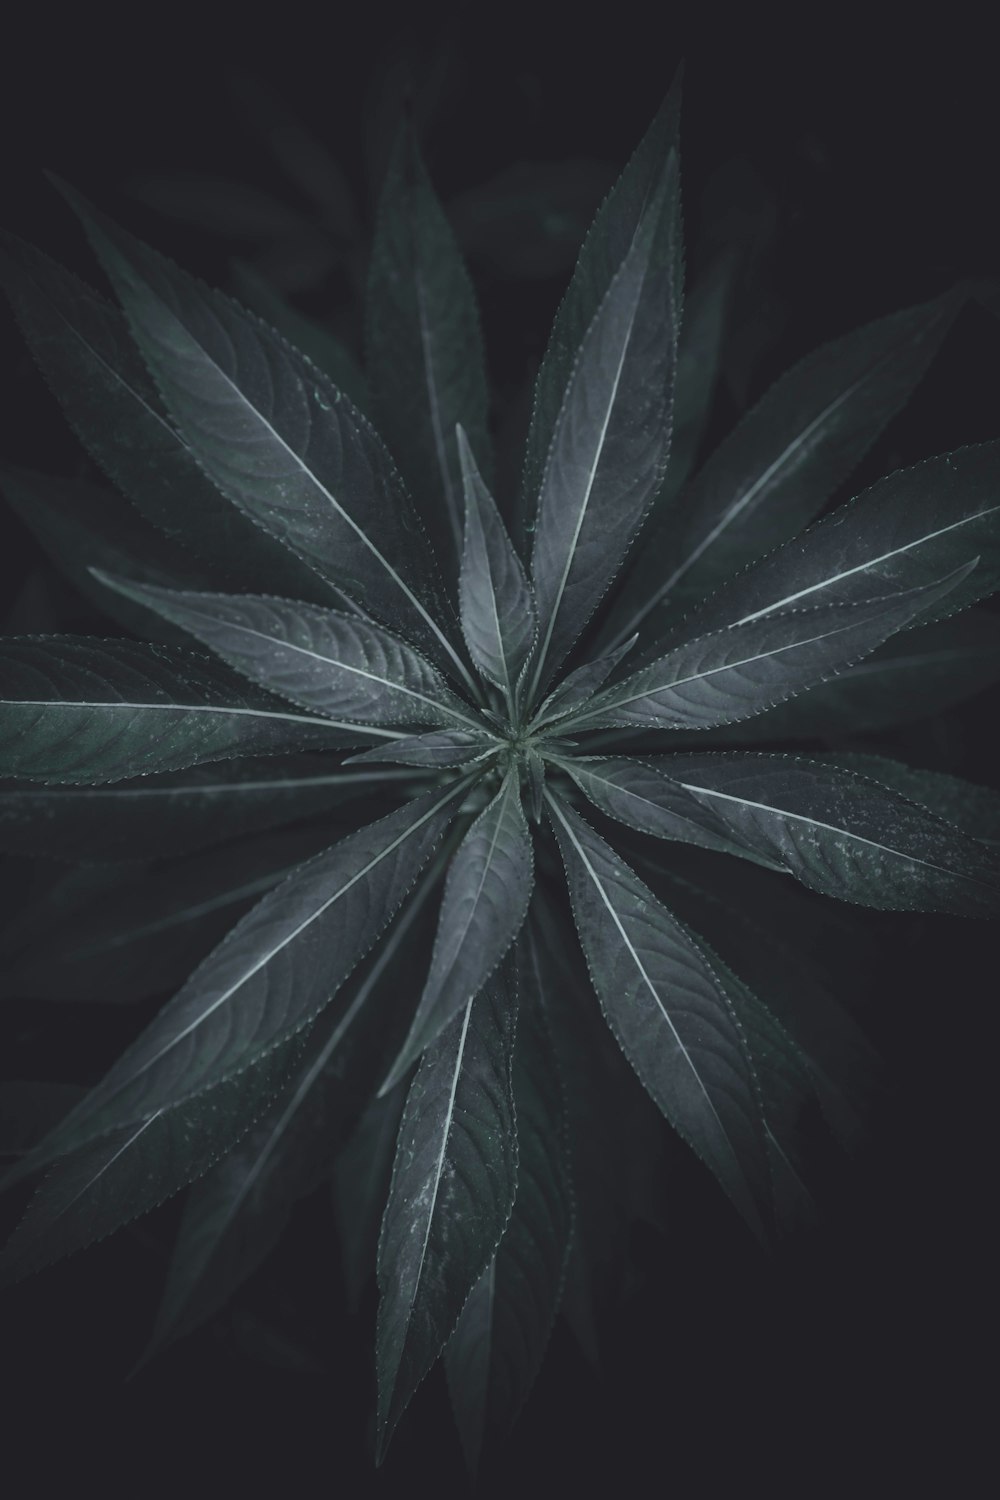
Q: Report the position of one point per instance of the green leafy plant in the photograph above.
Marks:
(458, 720)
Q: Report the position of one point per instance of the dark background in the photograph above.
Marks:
(864, 164)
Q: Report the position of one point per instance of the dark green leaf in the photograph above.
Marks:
(842, 834)
(425, 359)
(605, 248)
(318, 658)
(82, 344)
(432, 751)
(235, 1214)
(497, 605)
(81, 710)
(452, 1190)
(911, 676)
(112, 1180)
(781, 463)
(140, 931)
(179, 810)
(611, 437)
(361, 1186)
(975, 809)
(486, 896)
(263, 983)
(699, 347)
(671, 1017)
(496, 1350)
(733, 673)
(907, 530)
(581, 684)
(645, 798)
(841, 1062)
(274, 434)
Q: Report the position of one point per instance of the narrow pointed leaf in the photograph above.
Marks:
(644, 797)
(263, 983)
(452, 1190)
(908, 529)
(82, 344)
(973, 808)
(841, 1063)
(733, 673)
(425, 358)
(784, 459)
(109, 1182)
(912, 676)
(140, 931)
(178, 811)
(361, 1179)
(787, 1098)
(842, 834)
(497, 1347)
(611, 438)
(699, 347)
(435, 750)
(497, 605)
(236, 1213)
(582, 683)
(80, 710)
(273, 433)
(669, 1013)
(321, 659)
(485, 899)
(607, 244)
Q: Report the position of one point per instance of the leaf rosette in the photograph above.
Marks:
(445, 713)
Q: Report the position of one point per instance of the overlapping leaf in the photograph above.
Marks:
(842, 1065)
(177, 811)
(581, 684)
(434, 750)
(453, 1187)
(611, 437)
(607, 244)
(912, 676)
(113, 1179)
(424, 349)
(236, 1212)
(780, 464)
(326, 661)
(81, 710)
(907, 530)
(263, 983)
(498, 608)
(130, 932)
(841, 833)
(275, 435)
(486, 896)
(495, 1352)
(649, 799)
(669, 1013)
(733, 673)
(82, 344)
(973, 808)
